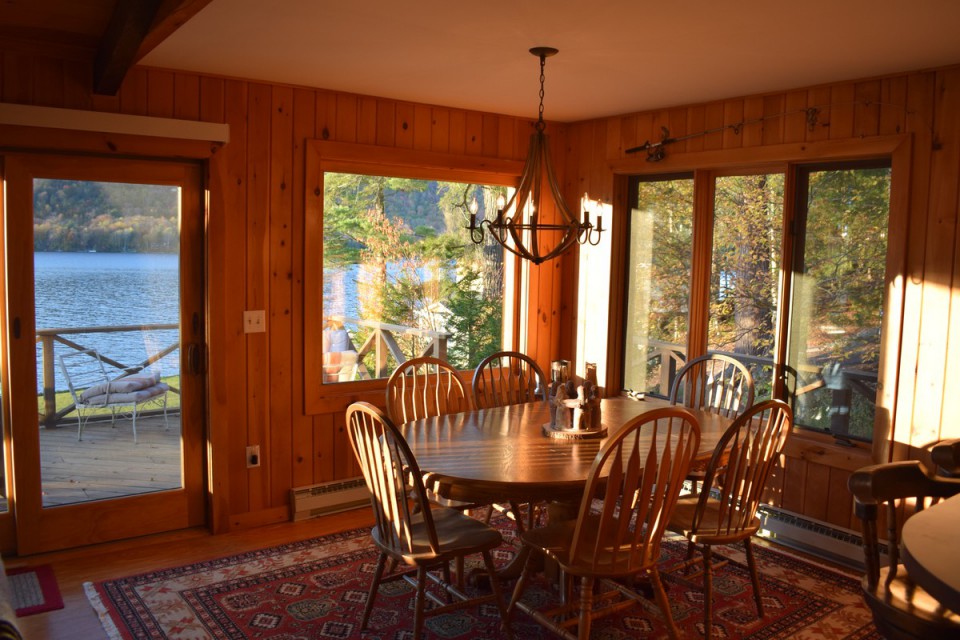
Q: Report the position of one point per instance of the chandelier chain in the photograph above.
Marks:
(543, 63)
(517, 226)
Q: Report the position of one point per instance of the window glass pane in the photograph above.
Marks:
(658, 294)
(401, 277)
(107, 295)
(744, 275)
(838, 290)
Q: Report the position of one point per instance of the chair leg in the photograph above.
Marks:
(586, 607)
(374, 587)
(707, 592)
(664, 603)
(460, 569)
(517, 517)
(521, 584)
(134, 424)
(752, 565)
(419, 602)
(166, 425)
(497, 593)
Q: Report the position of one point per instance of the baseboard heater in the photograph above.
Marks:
(828, 541)
(328, 497)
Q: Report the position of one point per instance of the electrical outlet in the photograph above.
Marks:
(253, 456)
(254, 321)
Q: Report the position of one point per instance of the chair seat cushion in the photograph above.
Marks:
(138, 396)
(708, 531)
(457, 534)
(905, 606)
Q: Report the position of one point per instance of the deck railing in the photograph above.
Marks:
(48, 338)
(382, 343)
(845, 385)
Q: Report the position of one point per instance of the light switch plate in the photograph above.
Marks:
(254, 321)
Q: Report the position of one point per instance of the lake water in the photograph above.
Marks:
(109, 289)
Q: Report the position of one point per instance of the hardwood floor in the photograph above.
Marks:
(116, 559)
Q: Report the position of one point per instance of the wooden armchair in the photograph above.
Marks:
(894, 491)
(946, 455)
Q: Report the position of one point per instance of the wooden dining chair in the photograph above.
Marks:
(725, 511)
(894, 491)
(636, 476)
(507, 377)
(425, 387)
(422, 388)
(715, 383)
(407, 530)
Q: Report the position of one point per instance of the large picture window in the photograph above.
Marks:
(401, 277)
(813, 338)
(658, 284)
(390, 272)
(839, 264)
(745, 273)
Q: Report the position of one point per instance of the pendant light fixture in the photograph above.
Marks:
(518, 225)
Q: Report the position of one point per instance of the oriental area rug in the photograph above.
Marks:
(317, 588)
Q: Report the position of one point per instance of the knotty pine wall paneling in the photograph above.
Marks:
(925, 106)
(254, 253)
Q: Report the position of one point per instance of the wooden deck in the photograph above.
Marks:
(106, 463)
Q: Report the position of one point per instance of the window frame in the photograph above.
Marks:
(789, 159)
(338, 157)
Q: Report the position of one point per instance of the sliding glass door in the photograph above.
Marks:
(107, 405)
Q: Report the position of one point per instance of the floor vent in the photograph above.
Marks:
(817, 538)
(328, 497)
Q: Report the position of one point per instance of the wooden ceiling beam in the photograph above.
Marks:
(129, 25)
(171, 16)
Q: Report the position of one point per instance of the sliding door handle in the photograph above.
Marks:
(195, 358)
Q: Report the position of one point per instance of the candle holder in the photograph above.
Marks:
(574, 409)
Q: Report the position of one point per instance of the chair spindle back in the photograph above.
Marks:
(424, 387)
(745, 456)
(716, 383)
(506, 378)
(639, 472)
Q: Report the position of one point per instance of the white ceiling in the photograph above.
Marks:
(616, 56)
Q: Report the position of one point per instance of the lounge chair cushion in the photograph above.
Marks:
(130, 397)
(128, 384)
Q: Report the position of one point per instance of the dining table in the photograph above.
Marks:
(501, 454)
(929, 542)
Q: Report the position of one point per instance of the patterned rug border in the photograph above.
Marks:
(103, 612)
(790, 561)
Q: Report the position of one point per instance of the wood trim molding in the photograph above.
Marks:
(101, 122)
(758, 156)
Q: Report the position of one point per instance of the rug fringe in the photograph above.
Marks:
(113, 633)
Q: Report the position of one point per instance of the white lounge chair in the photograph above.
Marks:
(92, 389)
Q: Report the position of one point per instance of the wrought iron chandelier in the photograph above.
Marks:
(517, 225)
